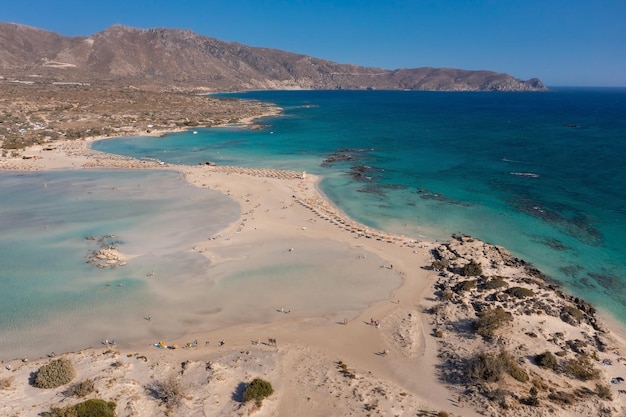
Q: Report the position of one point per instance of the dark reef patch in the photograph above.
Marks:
(577, 225)
(609, 281)
(440, 198)
(572, 270)
(379, 189)
(344, 155)
(552, 243)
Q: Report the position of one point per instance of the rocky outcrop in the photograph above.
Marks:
(107, 255)
(513, 344)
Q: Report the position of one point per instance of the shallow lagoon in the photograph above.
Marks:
(52, 300)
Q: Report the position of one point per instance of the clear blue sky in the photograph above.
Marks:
(562, 42)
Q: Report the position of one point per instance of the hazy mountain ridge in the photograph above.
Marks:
(183, 59)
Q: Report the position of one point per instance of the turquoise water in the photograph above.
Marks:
(539, 173)
(53, 300)
(49, 292)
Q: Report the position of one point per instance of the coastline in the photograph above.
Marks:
(294, 209)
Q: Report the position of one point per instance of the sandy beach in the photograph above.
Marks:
(392, 359)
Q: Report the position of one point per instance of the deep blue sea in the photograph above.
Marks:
(541, 174)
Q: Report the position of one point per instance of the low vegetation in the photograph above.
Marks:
(581, 368)
(89, 408)
(520, 292)
(465, 286)
(81, 389)
(54, 374)
(546, 360)
(562, 397)
(495, 283)
(104, 111)
(257, 391)
(532, 399)
(489, 367)
(490, 320)
(440, 265)
(169, 392)
(472, 269)
(604, 391)
(446, 295)
(574, 313)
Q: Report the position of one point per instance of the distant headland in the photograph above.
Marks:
(181, 59)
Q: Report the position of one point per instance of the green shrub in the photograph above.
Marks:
(533, 400)
(490, 320)
(517, 372)
(546, 360)
(574, 312)
(489, 367)
(497, 282)
(89, 408)
(472, 269)
(581, 368)
(95, 408)
(440, 265)
(520, 292)
(257, 390)
(56, 373)
(465, 286)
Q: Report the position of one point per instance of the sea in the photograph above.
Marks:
(540, 173)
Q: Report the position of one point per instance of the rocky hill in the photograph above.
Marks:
(176, 58)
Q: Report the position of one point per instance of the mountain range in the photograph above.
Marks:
(182, 59)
